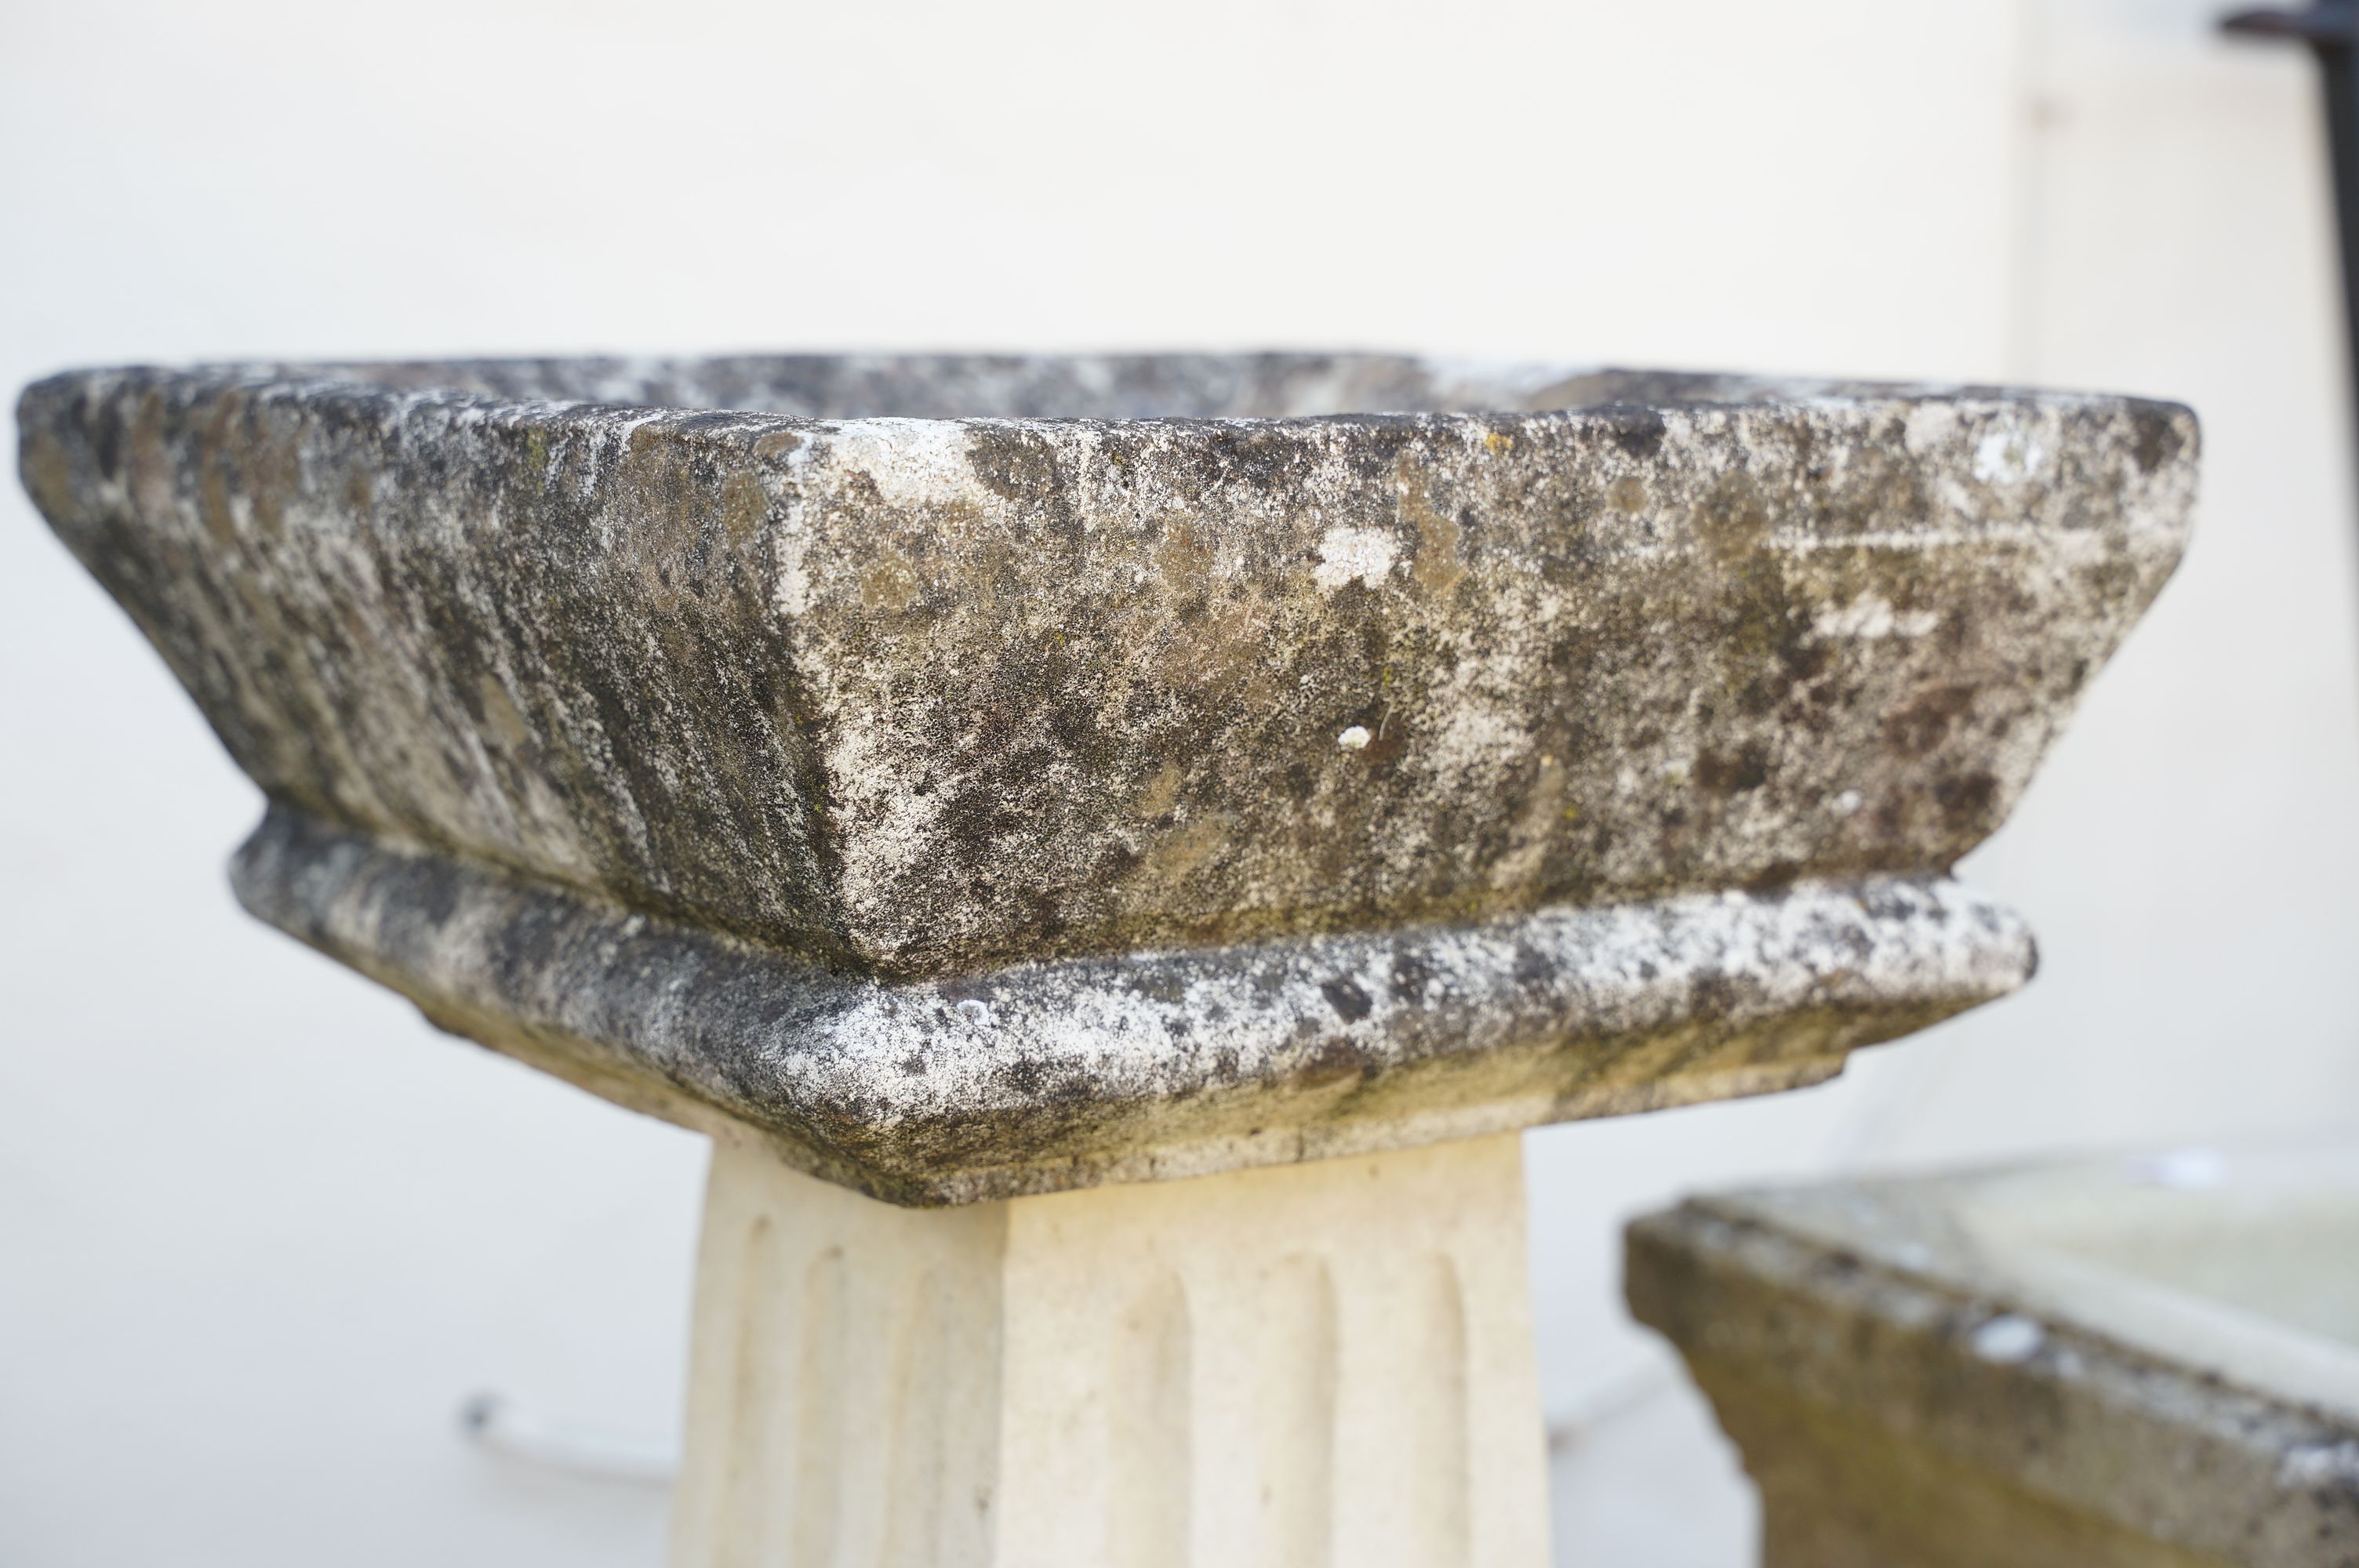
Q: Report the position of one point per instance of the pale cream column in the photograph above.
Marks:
(1327, 1363)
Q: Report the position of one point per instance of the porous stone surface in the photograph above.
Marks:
(1077, 1072)
(1921, 1377)
(913, 670)
(921, 695)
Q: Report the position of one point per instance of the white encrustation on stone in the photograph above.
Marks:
(2008, 1338)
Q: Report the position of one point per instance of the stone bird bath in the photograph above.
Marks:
(987, 784)
(2150, 1362)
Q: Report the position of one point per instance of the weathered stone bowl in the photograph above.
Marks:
(2151, 1361)
(989, 775)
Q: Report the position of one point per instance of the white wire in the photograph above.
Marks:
(499, 1424)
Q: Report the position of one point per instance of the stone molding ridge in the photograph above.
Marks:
(1045, 1075)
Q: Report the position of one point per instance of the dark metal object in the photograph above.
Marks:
(2330, 28)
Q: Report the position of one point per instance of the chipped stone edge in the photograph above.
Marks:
(1153, 1066)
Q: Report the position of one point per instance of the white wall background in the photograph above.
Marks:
(261, 1230)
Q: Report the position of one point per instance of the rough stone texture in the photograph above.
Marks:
(780, 659)
(1921, 1376)
(1139, 1066)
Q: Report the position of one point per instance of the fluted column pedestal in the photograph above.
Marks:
(1315, 1364)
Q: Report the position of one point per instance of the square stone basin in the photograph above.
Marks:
(985, 774)
(2142, 1360)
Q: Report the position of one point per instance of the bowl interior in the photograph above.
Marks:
(1097, 386)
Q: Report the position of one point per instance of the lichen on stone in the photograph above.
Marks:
(915, 669)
